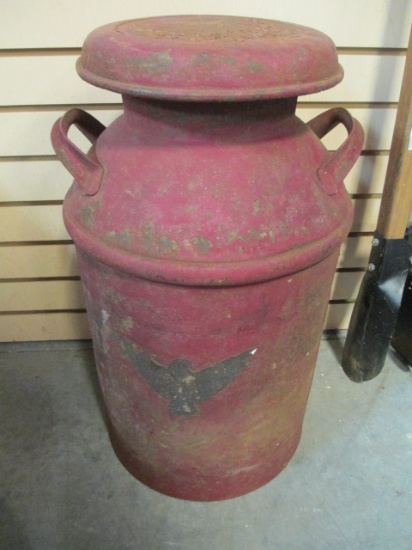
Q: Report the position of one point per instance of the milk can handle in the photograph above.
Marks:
(337, 165)
(86, 170)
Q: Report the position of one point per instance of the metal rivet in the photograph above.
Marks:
(371, 267)
(375, 242)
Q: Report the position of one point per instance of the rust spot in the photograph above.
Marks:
(210, 28)
(200, 59)
(259, 235)
(193, 184)
(147, 234)
(88, 213)
(202, 244)
(217, 192)
(256, 207)
(283, 228)
(255, 67)
(156, 243)
(155, 63)
(123, 237)
(227, 60)
(126, 324)
(111, 296)
(233, 235)
(167, 243)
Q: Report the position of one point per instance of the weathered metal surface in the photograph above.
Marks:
(245, 433)
(207, 252)
(211, 57)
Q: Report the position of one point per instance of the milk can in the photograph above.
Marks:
(207, 221)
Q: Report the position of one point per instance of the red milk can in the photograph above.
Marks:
(207, 221)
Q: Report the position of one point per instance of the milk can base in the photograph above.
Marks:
(191, 493)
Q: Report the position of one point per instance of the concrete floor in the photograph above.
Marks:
(348, 487)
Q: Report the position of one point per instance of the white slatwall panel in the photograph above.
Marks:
(38, 261)
(40, 291)
(351, 23)
(33, 180)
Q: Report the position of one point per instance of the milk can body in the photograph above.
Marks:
(207, 222)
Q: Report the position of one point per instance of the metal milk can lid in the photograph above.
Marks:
(211, 58)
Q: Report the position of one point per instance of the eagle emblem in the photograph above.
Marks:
(182, 387)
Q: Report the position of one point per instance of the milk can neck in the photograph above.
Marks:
(198, 116)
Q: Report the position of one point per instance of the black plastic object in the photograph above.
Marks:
(402, 337)
(376, 310)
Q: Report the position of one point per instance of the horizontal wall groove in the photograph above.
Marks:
(116, 106)
(38, 279)
(353, 50)
(76, 50)
(34, 243)
(59, 107)
(27, 158)
(374, 152)
(53, 158)
(59, 345)
(83, 310)
(16, 204)
(354, 234)
(41, 312)
(366, 196)
(348, 104)
(30, 203)
(351, 270)
(34, 52)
